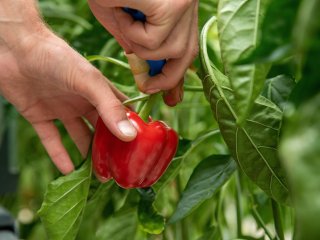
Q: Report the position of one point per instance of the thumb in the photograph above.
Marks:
(92, 85)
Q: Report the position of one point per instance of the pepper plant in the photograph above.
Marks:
(247, 162)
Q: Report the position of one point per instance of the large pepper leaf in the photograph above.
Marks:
(207, 178)
(254, 144)
(64, 202)
(300, 149)
(238, 25)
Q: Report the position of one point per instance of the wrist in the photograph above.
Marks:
(18, 20)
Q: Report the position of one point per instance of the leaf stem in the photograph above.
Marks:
(277, 219)
(238, 204)
(218, 212)
(108, 59)
(261, 223)
(189, 88)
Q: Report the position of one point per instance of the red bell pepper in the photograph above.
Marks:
(136, 164)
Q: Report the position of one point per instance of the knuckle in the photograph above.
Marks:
(141, 87)
(169, 84)
(178, 51)
(115, 105)
(111, 111)
(141, 53)
(152, 42)
(80, 71)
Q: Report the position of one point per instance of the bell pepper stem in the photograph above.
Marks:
(147, 193)
(147, 107)
(140, 98)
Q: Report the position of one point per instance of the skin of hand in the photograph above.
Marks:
(170, 32)
(45, 79)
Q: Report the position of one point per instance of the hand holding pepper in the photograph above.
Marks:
(45, 79)
(170, 32)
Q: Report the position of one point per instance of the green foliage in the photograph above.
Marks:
(66, 197)
(301, 150)
(250, 149)
(238, 26)
(208, 177)
(150, 220)
(278, 90)
(300, 146)
(259, 72)
(122, 225)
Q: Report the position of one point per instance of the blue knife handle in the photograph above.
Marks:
(155, 65)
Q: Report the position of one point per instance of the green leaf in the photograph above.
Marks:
(183, 147)
(207, 9)
(122, 225)
(253, 145)
(300, 150)
(307, 51)
(150, 220)
(211, 233)
(98, 197)
(186, 147)
(207, 178)
(238, 25)
(276, 31)
(64, 202)
(278, 89)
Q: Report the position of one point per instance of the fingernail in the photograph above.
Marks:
(127, 129)
(152, 91)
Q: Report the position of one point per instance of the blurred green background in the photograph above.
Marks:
(31, 168)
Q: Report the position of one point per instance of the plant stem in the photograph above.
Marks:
(183, 225)
(189, 88)
(277, 219)
(147, 107)
(238, 205)
(218, 212)
(108, 59)
(261, 223)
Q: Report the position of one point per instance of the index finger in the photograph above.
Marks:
(150, 34)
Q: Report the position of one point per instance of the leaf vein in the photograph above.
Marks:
(265, 161)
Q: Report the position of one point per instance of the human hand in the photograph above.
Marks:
(45, 79)
(170, 32)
